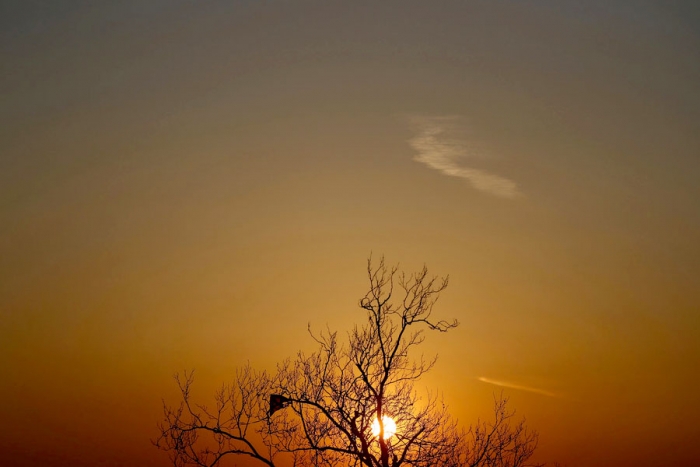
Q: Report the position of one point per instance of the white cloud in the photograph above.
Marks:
(439, 151)
(507, 384)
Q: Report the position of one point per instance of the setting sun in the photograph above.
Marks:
(389, 427)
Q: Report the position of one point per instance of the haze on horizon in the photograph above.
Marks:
(188, 184)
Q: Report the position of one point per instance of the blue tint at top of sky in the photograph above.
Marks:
(21, 18)
(666, 17)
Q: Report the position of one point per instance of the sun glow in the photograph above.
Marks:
(389, 427)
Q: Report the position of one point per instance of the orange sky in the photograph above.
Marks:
(188, 184)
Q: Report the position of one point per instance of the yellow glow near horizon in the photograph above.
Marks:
(389, 427)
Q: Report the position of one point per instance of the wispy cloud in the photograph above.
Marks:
(507, 384)
(439, 150)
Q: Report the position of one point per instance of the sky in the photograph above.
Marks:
(188, 184)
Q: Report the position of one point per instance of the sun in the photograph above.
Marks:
(389, 427)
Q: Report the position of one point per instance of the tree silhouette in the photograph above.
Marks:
(319, 409)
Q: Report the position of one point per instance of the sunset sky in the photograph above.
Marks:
(187, 184)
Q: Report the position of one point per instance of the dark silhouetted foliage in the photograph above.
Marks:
(331, 397)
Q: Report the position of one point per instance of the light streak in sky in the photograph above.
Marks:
(507, 384)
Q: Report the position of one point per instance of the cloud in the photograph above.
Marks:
(510, 385)
(439, 151)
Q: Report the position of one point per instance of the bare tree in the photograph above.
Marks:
(501, 442)
(350, 403)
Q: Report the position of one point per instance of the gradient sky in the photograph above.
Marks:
(187, 184)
